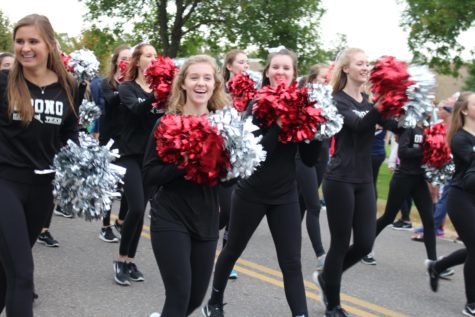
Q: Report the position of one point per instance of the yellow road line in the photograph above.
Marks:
(308, 284)
(312, 285)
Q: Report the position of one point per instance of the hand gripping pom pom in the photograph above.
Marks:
(85, 180)
(246, 152)
(83, 64)
(192, 144)
(437, 158)
(242, 90)
(159, 75)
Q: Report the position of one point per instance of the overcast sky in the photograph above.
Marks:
(378, 34)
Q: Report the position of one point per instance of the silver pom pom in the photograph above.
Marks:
(420, 94)
(322, 94)
(88, 112)
(256, 77)
(246, 152)
(85, 180)
(440, 176)
(84, 64)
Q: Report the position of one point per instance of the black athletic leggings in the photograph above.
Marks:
(309, 200)
(185, 265)
(461, 209)
(349, 206)
(224, 194)
(402, 187)
(23, 211)
(124, 207)
(137, 197)
(453, 259)
(376, 162)
(322, 161)
(285, 225)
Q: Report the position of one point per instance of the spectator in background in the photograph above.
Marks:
(6, 60)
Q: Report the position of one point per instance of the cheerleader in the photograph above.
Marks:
(184, 226)
(38, 107)
(309, 178)
(408, 182)
(348, 183)
(136, 100)
(272, 192)
(235, 62)
(461, 199)
(110, 125)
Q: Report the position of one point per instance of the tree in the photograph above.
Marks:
(469, 84)
(184, 27)
(434, 27)
(5, 34)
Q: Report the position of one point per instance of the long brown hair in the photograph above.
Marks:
(313, 74)
(458, 118)
(283, 51)
(132, 71)
(113, 66)
(19, 97)
(218, 100)
(339, 78)
(229, 60)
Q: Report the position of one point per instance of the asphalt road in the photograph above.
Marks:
(76, 279)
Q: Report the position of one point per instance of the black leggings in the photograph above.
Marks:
(376, 162)
(461, 209)
(285, 225)
(349, 206)
(137, 197)
(185, 265)
(309, 200)
(224, 194)
(322, 161)
(23, 211)
(453, 259)
(402, 187)
(124, 207)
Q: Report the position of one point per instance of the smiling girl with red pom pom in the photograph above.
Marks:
(270, 192)
(184, 225)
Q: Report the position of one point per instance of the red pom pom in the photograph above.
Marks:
(193, 144)
(66, 59)
(390, 80)
(299, 118)
(242, 89)
(123, 68)
(159, 75)
(436, 151)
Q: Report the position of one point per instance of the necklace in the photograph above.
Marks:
(42, 89)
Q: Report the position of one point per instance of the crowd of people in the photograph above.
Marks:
(186, 216)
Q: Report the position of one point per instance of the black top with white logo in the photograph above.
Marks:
(25, 148)
(139, 117)
(410, 151)
(351, 161)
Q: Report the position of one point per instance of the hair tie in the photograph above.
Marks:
(277, 49)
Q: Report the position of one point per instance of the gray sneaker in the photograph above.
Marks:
(121, 273)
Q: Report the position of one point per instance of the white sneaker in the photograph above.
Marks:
(321, 262)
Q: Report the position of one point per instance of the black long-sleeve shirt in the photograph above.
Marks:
(182, 205)
(410, 151)
(24, 149)
(111, 118)
(463, 151)
(351, 161)
(139, 118)
(274, 180)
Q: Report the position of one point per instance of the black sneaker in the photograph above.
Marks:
(336, 312)
(121, 273)
(213, 310)
(369, 260)
(402, 225)
(47, 239)
(317, 278)
(433, 275)
(469, 310)
(107, 235)
(118, 227)
(134, 273)
(58, 211)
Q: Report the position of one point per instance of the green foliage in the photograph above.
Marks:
(469, 83)
(6, 44)
(187, 27)
(434, 27)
